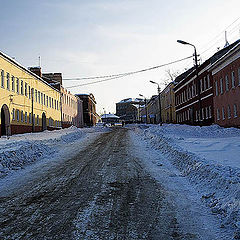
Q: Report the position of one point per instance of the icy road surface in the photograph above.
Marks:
(104, 192)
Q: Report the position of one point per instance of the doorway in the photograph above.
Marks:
(5, 121)
(44, 122)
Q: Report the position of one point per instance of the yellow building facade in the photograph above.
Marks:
(168, 104)
(27, 102)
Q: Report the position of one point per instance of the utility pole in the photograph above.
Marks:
(32, 95)
(197, 80)
(61, 95)
(159, 102)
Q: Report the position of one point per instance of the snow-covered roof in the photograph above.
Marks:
(109, 116)
(129, 100)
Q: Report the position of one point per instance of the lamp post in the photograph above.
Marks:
(159, 99)
(145, 100)
(197, 78)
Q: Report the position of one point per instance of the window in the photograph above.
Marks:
(201, 85)
(47, 100)
(210, 112)
(29, 92)
(44, 99)
(203, 117)
(38, 97)
(33, 119)
(26, 87)
(233, 79)
(25, 117)
(41, 98)
(57, 105)
(37, 119)
(13, 114)
(223, 113)
(22, 87)
(13, 84)
(35, 95)
(235, 110)
(206, 112)
(17, 115)
(205, 83)
(227, 82)
(50, 102)
(17, 85)
(221, 86)
(8, 81)
(30, 118)
(229, 112)
(196, 116)
(216, 86)
(2, 78)
(21, 116)
(208, 81)
(218, 114)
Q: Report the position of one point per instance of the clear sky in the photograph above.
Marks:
(83, 38)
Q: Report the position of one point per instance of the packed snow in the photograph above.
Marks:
(208, 157)
(19, 151)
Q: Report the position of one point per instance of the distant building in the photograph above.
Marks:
(71, 105)
(89, 109)
(110, 118)
(226, 88)
(128, 109)
(72, 110)
(168, 111)
(152, 110)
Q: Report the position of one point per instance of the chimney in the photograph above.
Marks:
(36, 70)
(55, 77)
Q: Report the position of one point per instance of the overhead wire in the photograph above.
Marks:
(120, 75)
(219, 37)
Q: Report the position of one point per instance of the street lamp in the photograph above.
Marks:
(159, 99)
(145, 100)
(197, 78)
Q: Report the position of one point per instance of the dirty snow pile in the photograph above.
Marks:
(21, 150)
(209, 157)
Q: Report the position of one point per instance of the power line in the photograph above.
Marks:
(120, 75)
(218, 35)
(126, 73)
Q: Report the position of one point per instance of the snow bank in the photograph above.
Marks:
(21, 150)
(186, 148)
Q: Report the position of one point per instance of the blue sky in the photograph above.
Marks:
(90, 38)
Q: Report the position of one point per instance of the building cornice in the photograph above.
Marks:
(18, 65)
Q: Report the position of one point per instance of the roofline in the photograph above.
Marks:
(9, 59)
(221, 59)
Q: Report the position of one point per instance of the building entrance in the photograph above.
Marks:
(5, 121)
(44, 122)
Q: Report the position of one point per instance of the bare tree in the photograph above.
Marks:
(171, 75)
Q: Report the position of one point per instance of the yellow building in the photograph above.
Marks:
(168, 104)
(27, 102)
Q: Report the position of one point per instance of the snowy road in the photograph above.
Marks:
(115, 187)
(101, 193)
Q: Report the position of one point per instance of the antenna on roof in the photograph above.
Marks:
(226, 41)
(39, 61)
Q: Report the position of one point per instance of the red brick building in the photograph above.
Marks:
(89, 109)
(194, 98)
(226, 85)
